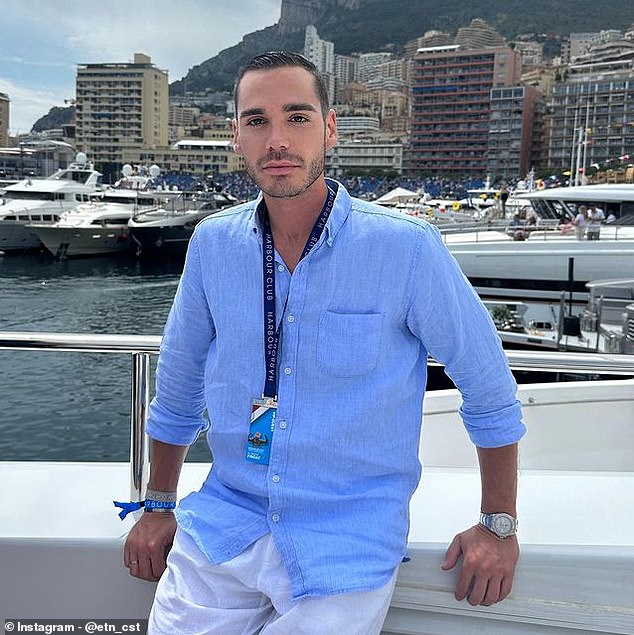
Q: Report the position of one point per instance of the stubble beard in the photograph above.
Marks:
(280, 187)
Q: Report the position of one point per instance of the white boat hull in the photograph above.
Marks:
(15, 236)
(575, 575)
(69, 242)
(494, 262)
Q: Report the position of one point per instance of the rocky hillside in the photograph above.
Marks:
(375, 25)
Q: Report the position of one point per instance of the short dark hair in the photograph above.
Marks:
(279, 59)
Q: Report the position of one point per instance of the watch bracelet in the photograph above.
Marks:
(163, 497)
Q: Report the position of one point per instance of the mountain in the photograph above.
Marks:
(55, 118)
(379, 25)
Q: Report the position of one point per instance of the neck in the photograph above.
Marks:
(292, 220)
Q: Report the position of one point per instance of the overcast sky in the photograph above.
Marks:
(43, 41)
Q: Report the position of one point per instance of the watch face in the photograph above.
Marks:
(503, 525)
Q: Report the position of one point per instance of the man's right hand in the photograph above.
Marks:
(148, 544)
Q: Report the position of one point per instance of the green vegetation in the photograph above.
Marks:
(386, 25)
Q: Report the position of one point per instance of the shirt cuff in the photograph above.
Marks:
(495, 429)
(171, 428)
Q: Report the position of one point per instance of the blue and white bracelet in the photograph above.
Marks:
(155, 501)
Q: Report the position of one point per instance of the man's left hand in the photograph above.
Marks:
(488, 565)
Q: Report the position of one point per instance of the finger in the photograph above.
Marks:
(493, 592)
(478, 591)
(452, 555)
(463, 585)
(133, 567)
(143, 568)
(506, 586)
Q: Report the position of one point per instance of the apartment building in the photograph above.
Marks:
(513, 137)
(592, 112)
(372, 157)
(4, 120)
(593, 119)
(121, 108)
(192, 156)
(451, 107)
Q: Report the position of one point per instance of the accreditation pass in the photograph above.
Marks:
(261, 429)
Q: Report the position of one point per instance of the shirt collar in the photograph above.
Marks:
(336, 220)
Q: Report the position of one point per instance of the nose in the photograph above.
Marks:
(278, 139)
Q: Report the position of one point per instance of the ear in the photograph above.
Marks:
(331, 129)
(236, 142)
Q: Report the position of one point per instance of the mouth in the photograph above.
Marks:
(279, 167)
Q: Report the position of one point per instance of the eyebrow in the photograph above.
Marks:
(286, 108)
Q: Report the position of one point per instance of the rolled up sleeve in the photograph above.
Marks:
(455, 328)
(177, 412)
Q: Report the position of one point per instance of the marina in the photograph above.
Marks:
(43, 201)
(509, 129)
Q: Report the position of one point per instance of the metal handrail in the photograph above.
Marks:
(140, 347)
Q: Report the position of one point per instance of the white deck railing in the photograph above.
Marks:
(140, 347)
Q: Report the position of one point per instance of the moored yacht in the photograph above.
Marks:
(168, 229)
(604, 325)
(549, 259)
(101, 226)
(42, 201)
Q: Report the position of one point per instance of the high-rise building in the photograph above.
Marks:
(4, 120)
(479, 34)
(431, 38)
(513, 137)
(368, 63)
(121, 107)
(592, 112)
(578, 44)
(532, 53)
(451, 107)
(320, 52)
(346, 69)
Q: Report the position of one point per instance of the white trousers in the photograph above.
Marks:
(250, 595)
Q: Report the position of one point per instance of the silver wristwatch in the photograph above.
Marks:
(501, 524)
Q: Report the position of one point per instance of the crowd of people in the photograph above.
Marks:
(365, 187)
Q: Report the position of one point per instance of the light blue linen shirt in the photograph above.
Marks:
(376, 294)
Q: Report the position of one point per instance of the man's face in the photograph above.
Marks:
(280, 130)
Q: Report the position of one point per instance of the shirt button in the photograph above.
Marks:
(290, 318)
(275, 478)
(275, 518)
(283, 424)
(288, 370)
(280, 267)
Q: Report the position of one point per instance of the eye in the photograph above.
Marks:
(299, 119)
(256, 121)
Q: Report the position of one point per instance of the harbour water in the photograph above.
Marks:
(75, 406)
(58, 406)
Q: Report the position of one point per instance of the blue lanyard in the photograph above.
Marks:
(271, 330)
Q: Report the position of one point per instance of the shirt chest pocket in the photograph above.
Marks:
(348, 344)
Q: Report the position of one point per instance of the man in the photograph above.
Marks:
(302, 325)
(595, 218)
(580, 222)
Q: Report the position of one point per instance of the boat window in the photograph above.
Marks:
(46, 217)
(9, 218)
(36, 217)
(23, 217)
(627, 208)
(36, 196)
